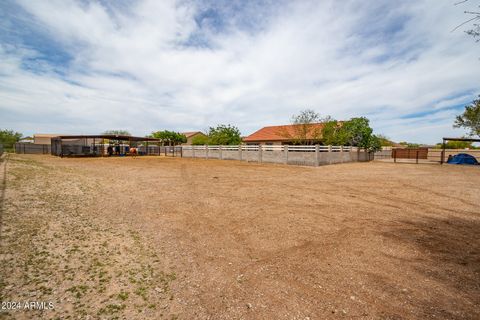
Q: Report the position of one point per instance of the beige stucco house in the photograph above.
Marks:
(44, 138)
(192, 134)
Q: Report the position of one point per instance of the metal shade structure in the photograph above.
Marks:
(109, 137)
(442, 160)
(94, 145)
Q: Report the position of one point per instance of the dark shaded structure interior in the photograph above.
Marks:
(103, 145)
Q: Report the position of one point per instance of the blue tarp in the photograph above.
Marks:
(462, 158)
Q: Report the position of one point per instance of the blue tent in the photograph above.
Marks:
(462, 158)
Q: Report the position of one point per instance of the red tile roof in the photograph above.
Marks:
(279, 133)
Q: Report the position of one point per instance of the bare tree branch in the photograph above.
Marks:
(464, 23)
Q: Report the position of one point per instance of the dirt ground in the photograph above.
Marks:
(155, 237)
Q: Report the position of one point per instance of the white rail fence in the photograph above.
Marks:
(312, 155)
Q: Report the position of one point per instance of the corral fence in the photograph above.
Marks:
(31, 148)
(432, 154)
(94, 149)
(102, 150)
(311, 155)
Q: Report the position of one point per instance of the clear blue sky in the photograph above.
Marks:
(88, 66)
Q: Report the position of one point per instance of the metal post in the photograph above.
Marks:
(417, 157)
(442, 159)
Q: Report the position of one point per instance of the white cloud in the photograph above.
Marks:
(147, 66)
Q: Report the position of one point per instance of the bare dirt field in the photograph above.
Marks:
(154, 238)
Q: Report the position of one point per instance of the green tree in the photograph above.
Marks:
(8, 138)
(471, 21)
(470, 118)
(305, 129)
(385, 141)
(169, 137)
(358, 132)
(199, 140)
(409, 144)
(118, 132)
(354, 132)
(332, 134)
(456, 145)
(224, 135)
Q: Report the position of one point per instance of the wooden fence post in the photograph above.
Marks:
(220, 153)
(240, 152)
(285, 149)
(206, 152)
(260, 153)
(317, 155)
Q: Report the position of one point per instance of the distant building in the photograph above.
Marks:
(191, 135)
(26, 140)
(44, 138)
(286, 134)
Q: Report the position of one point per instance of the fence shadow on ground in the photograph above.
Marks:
(450, 257)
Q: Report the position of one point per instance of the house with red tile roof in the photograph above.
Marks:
(192, 134)
(287, 134)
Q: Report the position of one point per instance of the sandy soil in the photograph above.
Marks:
(154, 237)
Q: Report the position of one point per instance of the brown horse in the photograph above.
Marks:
(133, 152)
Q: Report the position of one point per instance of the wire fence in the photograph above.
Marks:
(31, 148)
(80, 149)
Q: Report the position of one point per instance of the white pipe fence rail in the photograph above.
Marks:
(287, 154)
(303, 148)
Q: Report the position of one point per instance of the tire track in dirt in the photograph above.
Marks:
(3, 188)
